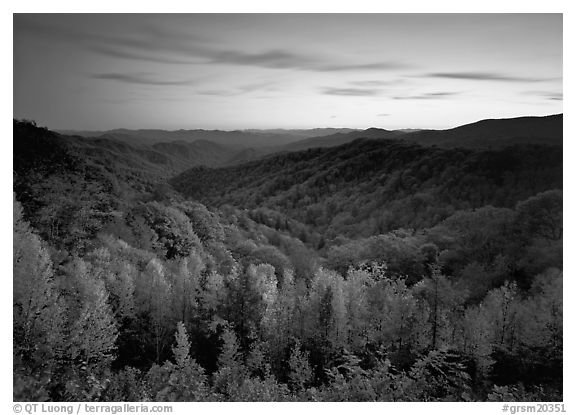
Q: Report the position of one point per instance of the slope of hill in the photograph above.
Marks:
(495, 133)
(58, 176)
(304, 133)
(123, 155)
(338, 139)
(485, 134)
(372, 186)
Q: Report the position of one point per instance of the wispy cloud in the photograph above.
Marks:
(285, 59)
(158, 45)
(482, 76)
(240, 90)
(147, 57)
(258, 86)
(216, 93)
(351, 92)
(550, 95)
(374, 66)
(376, 82)
(139, 78)
(429, 95)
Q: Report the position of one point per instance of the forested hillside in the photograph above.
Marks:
(375, 270)
(369, 187)
(484, 134)
(339, 139)
(493, 134)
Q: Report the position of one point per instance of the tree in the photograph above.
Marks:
(37, 313)
(475, 338)
(541, 336)
(300, 372)
(121, 287)
(182, 381)
(443, 300)
(262, 280)
(153, 293)
(502, 308)
(474, 235)
(540, 216)
(327, 308)
(118, 276)
(392, 313)
(182, 348)
(205, 223)
(231, 370)
(547, 310)
(186, 285)
(279, 322)
(357, 285)
(439, 375)
(93, 334)
(172, 227)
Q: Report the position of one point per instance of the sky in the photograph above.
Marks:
(241, 71)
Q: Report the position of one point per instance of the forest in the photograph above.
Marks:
(381, 269)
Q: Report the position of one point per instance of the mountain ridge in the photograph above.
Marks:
(385, 183)
(482, 134)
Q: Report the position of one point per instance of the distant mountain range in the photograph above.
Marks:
(238, 139)
(160, 153)
(305, 133)
(129, 160)
(485, 134)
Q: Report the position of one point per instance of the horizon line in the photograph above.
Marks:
(72, 130)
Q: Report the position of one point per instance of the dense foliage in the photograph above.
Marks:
(370, 187)
(376, 270)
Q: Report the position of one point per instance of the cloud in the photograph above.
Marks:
(482, 76)
(123, 54)
(243, 89)
(216, 93)
(147, 43)
(156, 44)
(351, 92)
(277, 59)
(552, 96)
(138, 78)
(382, 115)
(374, 66)
(258, 86)
(144, 99)
(285, 59)
(376, 82)
(429, 95)
(148, 37)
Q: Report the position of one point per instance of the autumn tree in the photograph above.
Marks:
(443, 301)
(37, 313)
(153, 294)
